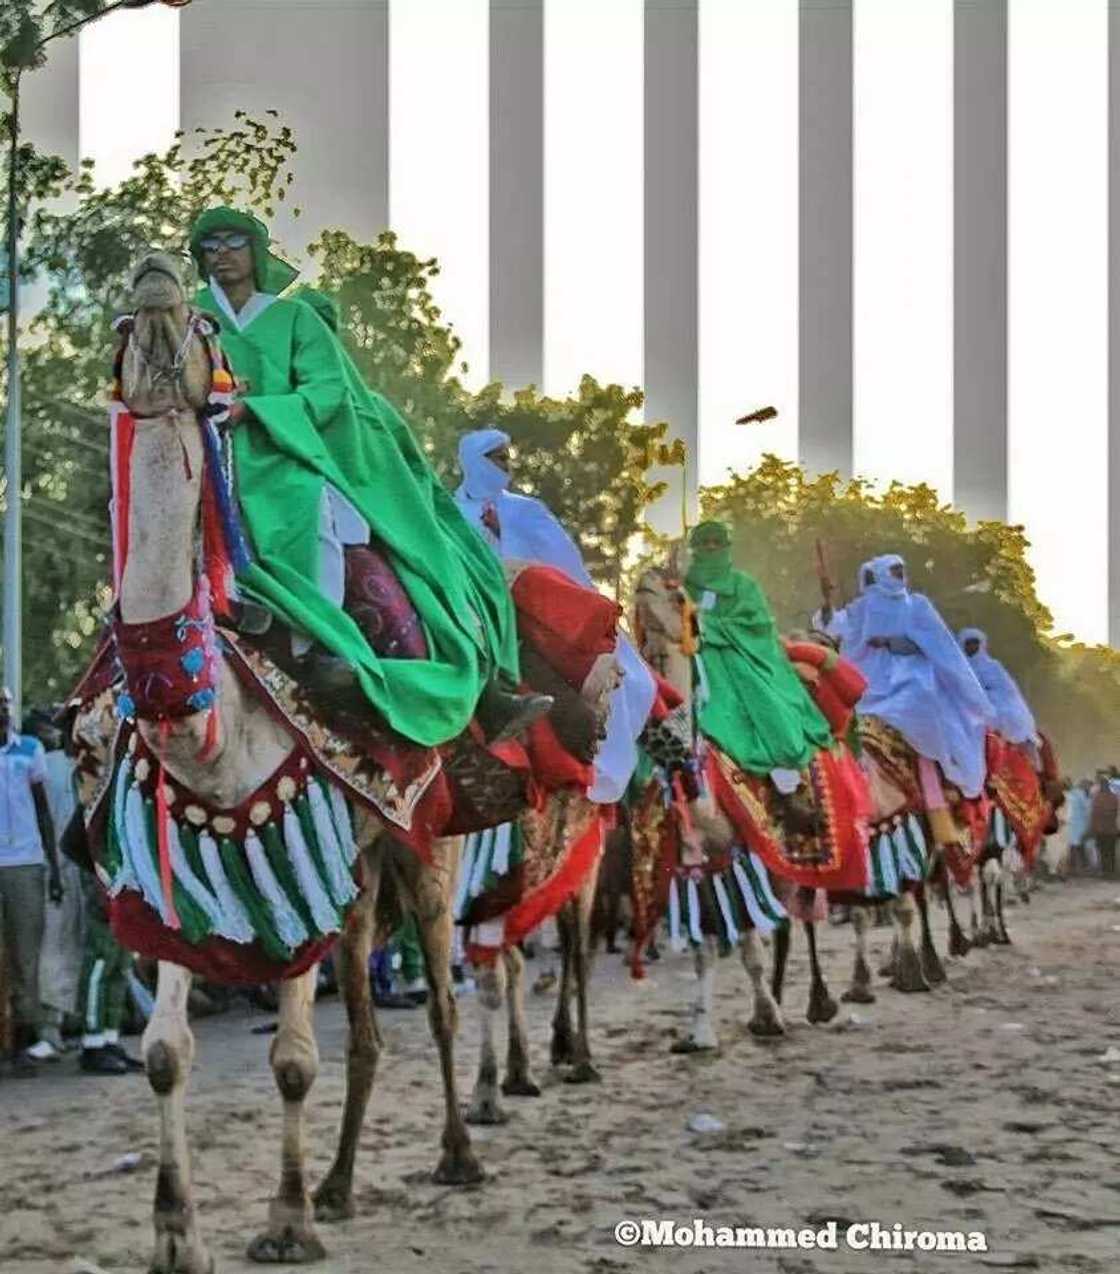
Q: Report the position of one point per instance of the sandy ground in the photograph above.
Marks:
(985, 1105)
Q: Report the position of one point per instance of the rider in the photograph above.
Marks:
(522, 528)
(752, 703)
(918, 679)
(323, 463)
(1014, 719)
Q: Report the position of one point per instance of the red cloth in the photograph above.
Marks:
(568, 625)
(837, 687)
(1016, 789)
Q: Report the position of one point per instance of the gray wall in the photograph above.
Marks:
(980, 258)
(671, 224)
(517, 192)
(326, 65)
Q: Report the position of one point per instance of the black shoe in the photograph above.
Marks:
(393, 1001)
(330, 676)
(100, 1061)
(249, 618)
(503, 715)
(133, 1063)
(23, 1067)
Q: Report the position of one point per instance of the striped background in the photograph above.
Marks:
(892, 220)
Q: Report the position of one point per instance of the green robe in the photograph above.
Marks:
(313, 422)
(757, 710)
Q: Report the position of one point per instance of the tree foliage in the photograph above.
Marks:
(976, 574)
(581, 454)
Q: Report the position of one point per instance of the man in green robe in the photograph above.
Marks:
(751, 702)
(322, 462)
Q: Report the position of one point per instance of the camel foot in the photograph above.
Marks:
(1002, 939)
(982, 940)
(458, 1168)
(292, 1245)
(333, 1201)
(520, 1086)
(174, 1255)
(485, 1111)
(691, 1045)
(959, 945)
(583, 1073)
(858, 995)
(908, 975)
(822, 1007)
(932, 967)
(765, 1027)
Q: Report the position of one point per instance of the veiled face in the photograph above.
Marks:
(707, 542)
(972, 646)
(500, 457)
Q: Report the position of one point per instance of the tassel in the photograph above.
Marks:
(211, 740)
(163, 819)
(124, 434)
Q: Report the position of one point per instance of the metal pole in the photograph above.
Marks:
(13, 457)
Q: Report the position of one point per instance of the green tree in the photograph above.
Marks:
(977, 575)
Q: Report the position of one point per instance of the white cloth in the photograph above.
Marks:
(530, 532)
(1014, 719)
(22, 764)
(1078, 804)
(932, 696)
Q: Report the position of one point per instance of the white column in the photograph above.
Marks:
(440, 154)
(128, 89)
(903, 241)
(593, 192)
(1058, 287)
(748, 231)
(1114, 323)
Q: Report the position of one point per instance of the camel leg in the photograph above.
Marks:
(701, 1037)
(959, 944)
(781, 958)
(890, 960)
(989, 874)
(168, 1048)
(767, 1017)
(579, 952)
(860, 991)
(1000, 935)
(822, 1007)
(562, 1049)
(932, 967)
(432, 890)
(334, 1199)
(977, 935)
(485, 1108)
(290, 1237)
(908, 974)
(519, 1080)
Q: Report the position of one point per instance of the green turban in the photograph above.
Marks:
(270, 273)
(711, 571)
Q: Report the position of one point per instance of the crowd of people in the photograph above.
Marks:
(1093, 823)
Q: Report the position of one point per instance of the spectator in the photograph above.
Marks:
(104, 991)
(1082, 852)
(28, 870)
(60, 962)
(1104, 822)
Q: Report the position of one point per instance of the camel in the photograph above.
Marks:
(221, 755)
(549, 837)
(662, 616)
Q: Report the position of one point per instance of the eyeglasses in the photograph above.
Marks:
(233, 240)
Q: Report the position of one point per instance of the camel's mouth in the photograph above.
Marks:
(157, 283)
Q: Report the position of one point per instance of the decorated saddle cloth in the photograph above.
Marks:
(514, 876)
(1020, 811)
(261, 891)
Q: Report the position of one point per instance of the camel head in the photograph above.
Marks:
(661, 613)
(165, 368)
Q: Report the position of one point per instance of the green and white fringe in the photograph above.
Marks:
(739, 898)
(899, 853)
(282, 886)
(487, 856)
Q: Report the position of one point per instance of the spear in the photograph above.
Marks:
(824, 576)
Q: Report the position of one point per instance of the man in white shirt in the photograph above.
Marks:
(28, 869)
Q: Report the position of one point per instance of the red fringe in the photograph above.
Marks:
(163, 822)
